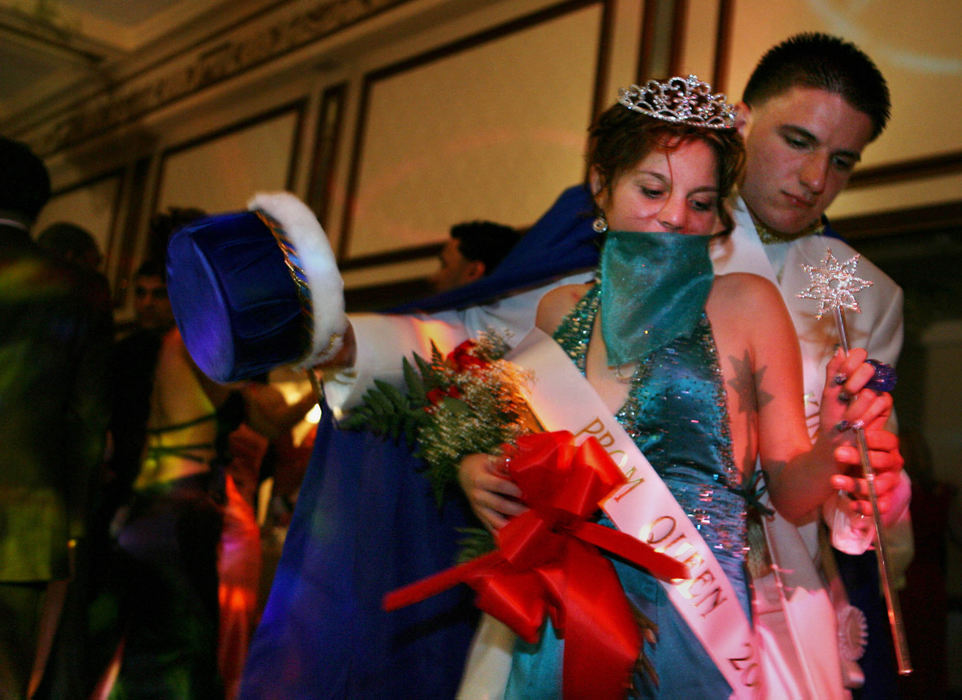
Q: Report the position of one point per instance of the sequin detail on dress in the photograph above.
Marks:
(679, 385)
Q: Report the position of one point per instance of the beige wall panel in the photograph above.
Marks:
(698, 52)
(896, 196)
(625, 39)
(395, 272)
(222, 174)
(494, 132)
(918, 52)
(91, 206)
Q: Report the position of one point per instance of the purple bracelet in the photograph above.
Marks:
(885, 377)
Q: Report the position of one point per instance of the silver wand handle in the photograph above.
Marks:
(891, 598)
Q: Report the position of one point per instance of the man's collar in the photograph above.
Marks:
(769, 236)
(740, 250)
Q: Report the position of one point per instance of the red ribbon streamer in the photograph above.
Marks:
(548, 562)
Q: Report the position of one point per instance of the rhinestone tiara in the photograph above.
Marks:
(682, 100)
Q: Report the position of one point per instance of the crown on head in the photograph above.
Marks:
(684, 100)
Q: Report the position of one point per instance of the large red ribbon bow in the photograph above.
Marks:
(548, 562)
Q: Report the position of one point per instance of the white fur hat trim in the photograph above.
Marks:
(324, 281)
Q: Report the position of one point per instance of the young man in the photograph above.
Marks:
(811, 106)
(151, 305)
(473, 251)
(133, 360)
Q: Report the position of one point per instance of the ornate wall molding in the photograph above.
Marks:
(112, 108)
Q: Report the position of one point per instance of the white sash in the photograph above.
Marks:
(563, 399)
(795, 621)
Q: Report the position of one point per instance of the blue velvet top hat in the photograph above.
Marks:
(255, 290)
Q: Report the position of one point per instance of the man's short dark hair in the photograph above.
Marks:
(165, 224)
(68, 240)
(24, 180)
(485, 241)
(823, 62)
(151, 267)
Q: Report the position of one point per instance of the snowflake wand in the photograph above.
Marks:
(833, 285)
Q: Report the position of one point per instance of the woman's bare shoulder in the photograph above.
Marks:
(748, 310)
(746, 291)
(556, 304)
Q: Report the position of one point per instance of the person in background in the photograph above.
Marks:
(151, 305)
(72, 242)
(56, 330)
(473, 251)
(133, 360)
(169, 532)
(133, 373)
(188, 539)
(266, 429)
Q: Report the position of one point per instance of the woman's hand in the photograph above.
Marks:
(845, 399)
(494, 498)
(847, 404)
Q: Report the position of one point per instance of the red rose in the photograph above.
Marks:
(463, 356)
(435, 395)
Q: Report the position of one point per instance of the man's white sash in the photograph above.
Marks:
(563, 399)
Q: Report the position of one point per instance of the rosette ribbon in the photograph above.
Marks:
(548, 563)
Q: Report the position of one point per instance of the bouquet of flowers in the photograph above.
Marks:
(467, 402)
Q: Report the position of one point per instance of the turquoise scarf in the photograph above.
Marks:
(653, 290)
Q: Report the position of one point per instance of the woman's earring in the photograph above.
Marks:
(600, 224)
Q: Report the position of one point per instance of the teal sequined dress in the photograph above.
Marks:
(677, 415)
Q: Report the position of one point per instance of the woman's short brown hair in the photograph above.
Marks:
(622, 137)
